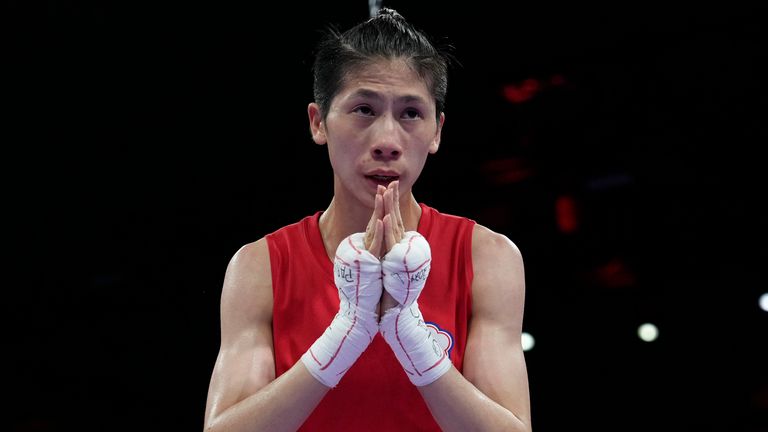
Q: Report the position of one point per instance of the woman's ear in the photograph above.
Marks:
(435, 144)
(316, 124)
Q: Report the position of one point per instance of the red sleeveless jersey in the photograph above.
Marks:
(375, 393)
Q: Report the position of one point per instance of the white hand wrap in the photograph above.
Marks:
(405, 269)
(421, 356)
(358, 278)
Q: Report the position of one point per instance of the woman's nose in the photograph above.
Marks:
(386, 144)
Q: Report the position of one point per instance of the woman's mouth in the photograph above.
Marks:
(383, 180)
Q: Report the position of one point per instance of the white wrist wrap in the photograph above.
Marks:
(358, 278)
(405, 269)
(421, 356)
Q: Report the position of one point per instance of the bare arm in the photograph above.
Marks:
(493, 392)
(243, 393)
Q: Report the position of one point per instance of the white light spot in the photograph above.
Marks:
(764, 302)
(527, 341)
(648, 332)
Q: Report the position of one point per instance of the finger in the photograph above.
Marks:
(388, 201)
(378, 213)
(398, 217)
(378, 208)
(389, 235)
(380, 191)
(393, 209)
(378, 236)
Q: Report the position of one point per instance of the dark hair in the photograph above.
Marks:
(385, 36)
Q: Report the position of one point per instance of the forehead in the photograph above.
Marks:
(389, 75)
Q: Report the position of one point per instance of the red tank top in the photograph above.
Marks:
(375, 394)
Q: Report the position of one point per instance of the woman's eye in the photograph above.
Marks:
(411, 114)
(364, 110)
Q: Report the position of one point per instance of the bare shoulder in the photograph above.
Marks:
(247, 289)
(499, 277)
(245, 362)
(251, 258)
(491, 249)
(494, 361)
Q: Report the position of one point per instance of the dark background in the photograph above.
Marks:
(146, 142)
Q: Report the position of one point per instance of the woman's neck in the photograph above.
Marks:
(341, 219)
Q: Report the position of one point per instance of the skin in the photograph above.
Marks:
(381, 122)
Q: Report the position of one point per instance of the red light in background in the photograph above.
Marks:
(523, 92)
(614, 274)
(529, 87)
(566, 214)
(506, 171)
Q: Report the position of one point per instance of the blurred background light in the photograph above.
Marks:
(528, 341)
(648, 332)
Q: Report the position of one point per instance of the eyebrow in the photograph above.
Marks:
(370, 94)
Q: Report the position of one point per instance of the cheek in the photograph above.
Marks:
(345, 146)
(421, 162)
(342, 157)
